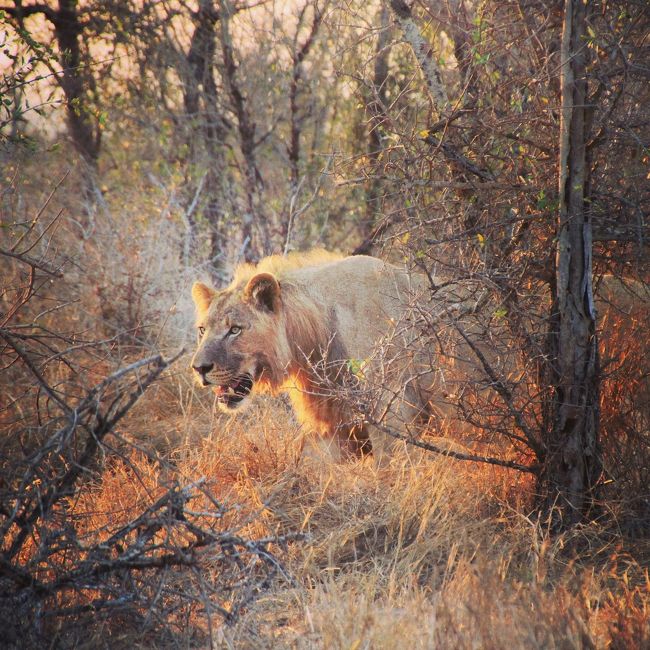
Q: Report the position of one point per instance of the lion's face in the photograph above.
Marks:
(236, 330)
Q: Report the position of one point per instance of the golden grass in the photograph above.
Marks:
(426, 553)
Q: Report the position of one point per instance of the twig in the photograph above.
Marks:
(503, 391)
(30, 261)
(21, 352)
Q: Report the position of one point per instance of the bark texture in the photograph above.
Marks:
(573, 460)
(423, 53)
(76, 82)
(376, 107)
(74, 77)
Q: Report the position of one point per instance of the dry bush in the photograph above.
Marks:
(428, 553)
(425, 553)
(625, 401)
(101, 544)
(121, 254)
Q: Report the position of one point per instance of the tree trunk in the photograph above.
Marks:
(208, 128)
(377, 112)
(572, 463)
(77, 83)
(256, 236)
(75, 79)
(297, 116)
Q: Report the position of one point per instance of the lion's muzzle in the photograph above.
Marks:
(230, 390)
(202, 372)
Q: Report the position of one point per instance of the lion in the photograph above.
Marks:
(364, 349)
(321, 328)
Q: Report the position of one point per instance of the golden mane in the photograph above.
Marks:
(308, 341)
(280, 265)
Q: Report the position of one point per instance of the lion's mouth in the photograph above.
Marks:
(236, 391)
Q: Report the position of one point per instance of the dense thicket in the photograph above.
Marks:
(503, 143)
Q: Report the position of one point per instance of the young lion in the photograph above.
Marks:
(333, 332)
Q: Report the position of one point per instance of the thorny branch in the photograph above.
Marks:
(458, 455)
(165, 535)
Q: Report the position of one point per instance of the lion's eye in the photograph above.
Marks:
(201, 332)
(234, 330)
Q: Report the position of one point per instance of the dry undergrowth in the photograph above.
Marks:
(428, 553)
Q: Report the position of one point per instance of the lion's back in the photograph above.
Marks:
(361, 298)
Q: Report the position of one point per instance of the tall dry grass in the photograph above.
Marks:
(426, 553)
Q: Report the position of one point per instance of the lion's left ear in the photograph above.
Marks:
(202, 295)
(263, 290)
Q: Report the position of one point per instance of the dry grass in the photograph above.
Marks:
(427, 553)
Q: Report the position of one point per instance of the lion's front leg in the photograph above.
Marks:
(354, 439)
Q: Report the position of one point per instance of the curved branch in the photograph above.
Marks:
(18, 11)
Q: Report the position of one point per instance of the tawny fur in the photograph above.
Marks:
(308, 318)
(331, 311)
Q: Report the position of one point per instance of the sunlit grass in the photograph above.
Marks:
(427, 552)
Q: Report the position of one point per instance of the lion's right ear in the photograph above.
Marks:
(263, 290)
(202, 296)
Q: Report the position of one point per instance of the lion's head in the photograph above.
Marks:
(242, 343)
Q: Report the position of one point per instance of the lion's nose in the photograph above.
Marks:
(203, 370)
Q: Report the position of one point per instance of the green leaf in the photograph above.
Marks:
(355, 366)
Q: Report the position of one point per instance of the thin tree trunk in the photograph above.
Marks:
(377, 111)
(573, 461)
(76, 82)
(423, 53)
(297, 115)
(255, 219)
(450, 145)
(208, 127)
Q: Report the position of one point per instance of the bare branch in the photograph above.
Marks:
(475, 458)
(503, 391)
(30, 261)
